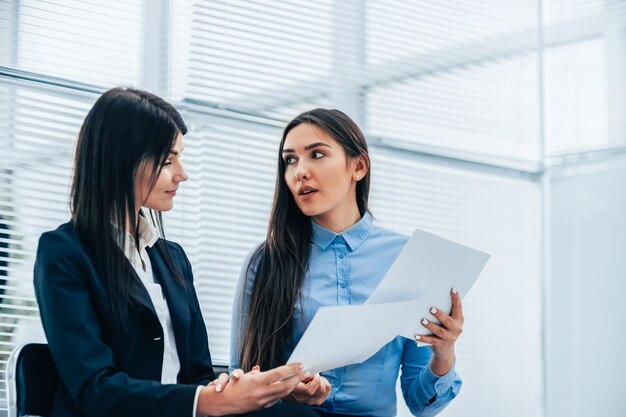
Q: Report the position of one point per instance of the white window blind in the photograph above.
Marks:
(37, 137)
(461, 76)
(585, 86)
(87, 41)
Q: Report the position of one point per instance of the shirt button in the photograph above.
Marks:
(339, 239)
(341, 256)
(343, 285)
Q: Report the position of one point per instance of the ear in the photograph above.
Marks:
(360, 167)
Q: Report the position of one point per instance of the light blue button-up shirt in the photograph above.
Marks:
(344, 269)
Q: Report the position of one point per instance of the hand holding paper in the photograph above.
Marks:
(426, 270)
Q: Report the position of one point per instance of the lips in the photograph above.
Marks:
(305, 189)
(171, 193)
(306, 192)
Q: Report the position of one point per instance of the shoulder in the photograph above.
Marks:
(249, 267)
(174, 248)
(62, 239)
(386, 237)
(60, 255)
(178, 256)
(253, 258)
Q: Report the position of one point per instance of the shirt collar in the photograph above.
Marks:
(354, 235)
(148, 235)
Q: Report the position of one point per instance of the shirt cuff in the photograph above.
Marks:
(195, 400)
(435, 385)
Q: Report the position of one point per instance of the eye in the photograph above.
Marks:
(167, 163)
(290, 159)
(317, 154)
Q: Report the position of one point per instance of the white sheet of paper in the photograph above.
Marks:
(426, 269)
(344, 335)
(421, 277)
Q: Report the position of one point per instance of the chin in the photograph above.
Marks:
(311, 211)
(160, 207)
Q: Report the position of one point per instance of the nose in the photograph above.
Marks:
(181, 175)
(301, 172)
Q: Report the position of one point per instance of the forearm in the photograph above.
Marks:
(442, 361)
(427, 392)
(213, 403)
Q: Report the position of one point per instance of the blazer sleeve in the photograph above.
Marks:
(201, 367)
(84, 361)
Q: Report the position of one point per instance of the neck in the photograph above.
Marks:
(128, 227)
(339, 219)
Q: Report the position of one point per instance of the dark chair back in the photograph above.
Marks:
(31, 380)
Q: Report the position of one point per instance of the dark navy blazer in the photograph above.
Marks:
(104, 370)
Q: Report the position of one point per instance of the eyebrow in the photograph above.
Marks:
(175, 153)
(311, 146)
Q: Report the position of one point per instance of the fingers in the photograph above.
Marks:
(221, 382)
(447, 321)
(236, 374)
(457, 307)
(312, 393)
(285, 372)
(309, 379)
(322, 392)
(313, 384)
(442, 336)
(431, 340)
(434, 328)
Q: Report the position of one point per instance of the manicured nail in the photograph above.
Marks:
(454, 291)
(418, 337)
(306, 375)
(301, 366)
(218, 387)
(433, 310)
(424, 322)
(236, 374)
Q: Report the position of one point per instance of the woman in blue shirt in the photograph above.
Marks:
(322, 249)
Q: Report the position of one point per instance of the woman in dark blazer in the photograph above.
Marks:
(117, 300)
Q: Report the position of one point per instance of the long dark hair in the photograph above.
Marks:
(124, 128)
(283, 257)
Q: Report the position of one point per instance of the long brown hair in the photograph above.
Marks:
(283, 257)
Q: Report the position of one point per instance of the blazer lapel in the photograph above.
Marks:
(176, 297)
(143, 297)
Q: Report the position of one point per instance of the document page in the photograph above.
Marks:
(426, 269)
(343, 335)
(420, 278)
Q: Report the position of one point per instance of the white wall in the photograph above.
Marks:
(586, 303)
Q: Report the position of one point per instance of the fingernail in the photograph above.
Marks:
(301, 366)
(424, 322)
(418, 337)
(306, 375)
(235, 374)
(433, 310)
(454, 291)
(218, 387)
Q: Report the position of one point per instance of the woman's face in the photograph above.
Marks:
(320, 177)
(161, 197)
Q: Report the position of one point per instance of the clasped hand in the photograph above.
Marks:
(249, 391)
